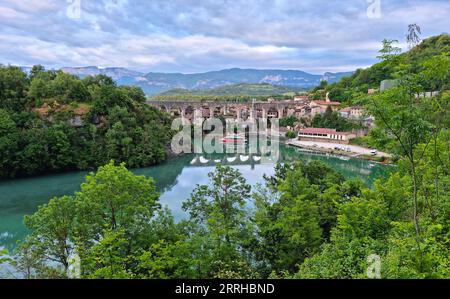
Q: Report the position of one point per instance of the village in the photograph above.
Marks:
(299, 130)
(330, 140)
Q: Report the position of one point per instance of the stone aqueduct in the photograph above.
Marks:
(191, 109)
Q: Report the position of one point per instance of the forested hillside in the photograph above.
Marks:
(235, 90)
(353, 89)
(52, 121)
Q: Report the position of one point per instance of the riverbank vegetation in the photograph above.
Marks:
(307, 221)
(52, 121)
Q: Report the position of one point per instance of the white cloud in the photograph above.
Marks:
(7, 13)
(33, 6)
(193, 35)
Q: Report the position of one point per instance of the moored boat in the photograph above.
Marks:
(234, 138)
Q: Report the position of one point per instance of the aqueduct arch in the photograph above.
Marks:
(230, 109)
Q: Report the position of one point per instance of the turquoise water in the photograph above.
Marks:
(175, 179)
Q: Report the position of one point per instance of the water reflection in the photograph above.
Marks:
(175, 180)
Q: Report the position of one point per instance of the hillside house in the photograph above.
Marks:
(320, 106)
(355, 112)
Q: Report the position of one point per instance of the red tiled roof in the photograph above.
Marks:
(327, 103)
(318, 131)
(322, 131)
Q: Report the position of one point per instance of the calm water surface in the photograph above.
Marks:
(175, 179)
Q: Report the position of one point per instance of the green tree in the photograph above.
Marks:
(413, 36)
(52, 228)
(401, 116)
(389, 51)
(113, 198)
(293, 225)
(58, 147)
(219, 211)
(9, 137)
(13, 86)
(108, 223)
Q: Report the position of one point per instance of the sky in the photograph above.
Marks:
(192, 36)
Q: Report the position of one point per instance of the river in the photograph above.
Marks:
(175, 179)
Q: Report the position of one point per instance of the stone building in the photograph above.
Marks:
(355, 112)
(320, 106)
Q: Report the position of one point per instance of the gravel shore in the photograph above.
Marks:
(346, 149)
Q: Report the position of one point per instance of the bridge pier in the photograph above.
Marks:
(252, 110)
(264, 113)
(198, 113)
(252, 113)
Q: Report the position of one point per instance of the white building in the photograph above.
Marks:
(325, 135)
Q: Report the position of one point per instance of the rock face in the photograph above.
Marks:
(154, 83)
(76, 121)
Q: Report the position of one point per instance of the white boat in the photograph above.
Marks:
(234, 138)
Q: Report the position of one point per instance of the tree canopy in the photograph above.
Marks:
(52, 121)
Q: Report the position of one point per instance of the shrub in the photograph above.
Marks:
(291, 134)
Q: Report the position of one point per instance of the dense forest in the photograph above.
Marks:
(233, 92)
(52, 121)
(332, 119)
(307, 221)
(393, 65)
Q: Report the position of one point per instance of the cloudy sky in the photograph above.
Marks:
(201, 35)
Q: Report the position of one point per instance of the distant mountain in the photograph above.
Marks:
(155, 83)
(261, 89)
(117, 73)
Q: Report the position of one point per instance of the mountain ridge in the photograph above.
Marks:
(156, 82)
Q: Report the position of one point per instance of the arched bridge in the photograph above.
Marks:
(207, 109)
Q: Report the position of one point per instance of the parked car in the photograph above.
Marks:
(373, 152)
